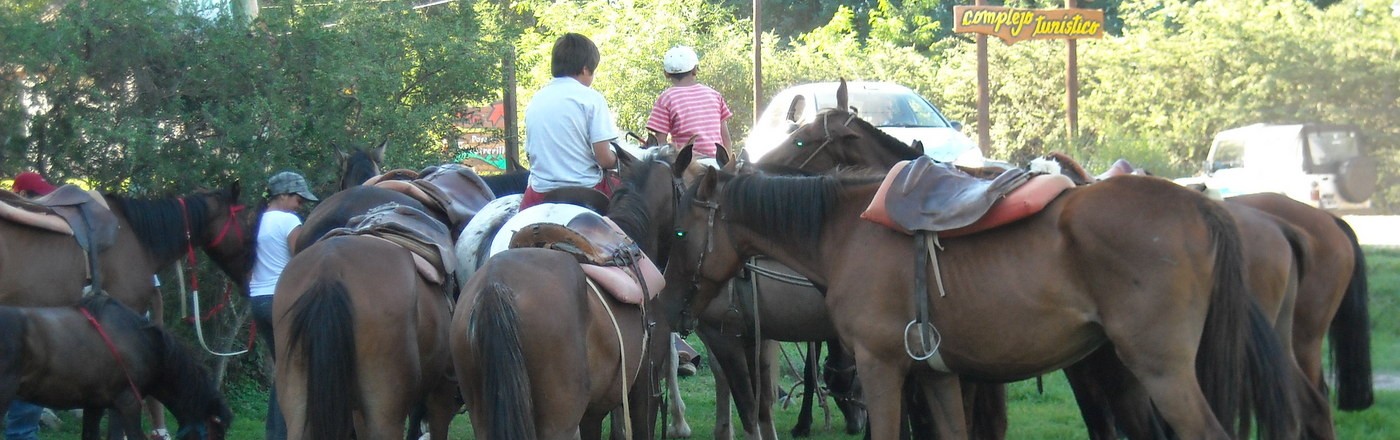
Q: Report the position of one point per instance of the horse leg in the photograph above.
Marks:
(730, 361)
(724, 425)
(92, 423)
(803, 427)
(768, 386)
(943, 392)
(677, 428)
(1111, 399)
(441, 407)
(985, 407)
(883, 382)
(129, 418)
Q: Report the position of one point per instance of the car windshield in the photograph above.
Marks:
(889, 108)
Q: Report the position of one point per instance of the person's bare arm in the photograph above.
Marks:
(603, 153)
(661, 138)
(724, 135)
(292, 239)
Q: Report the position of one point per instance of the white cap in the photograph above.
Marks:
(680, 59)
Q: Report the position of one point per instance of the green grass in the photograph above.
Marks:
(1032, 415)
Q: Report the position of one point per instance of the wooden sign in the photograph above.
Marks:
(1015, 24)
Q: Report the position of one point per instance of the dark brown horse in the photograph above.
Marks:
(541, 354)
(1022, 300)
(43, 268)
(361, 340)
(99, 354)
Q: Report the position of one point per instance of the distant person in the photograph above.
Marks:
(568, 127)
(688, 109)
(30, 185)
(277, 230)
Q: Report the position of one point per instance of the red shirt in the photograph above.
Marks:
(694, 110)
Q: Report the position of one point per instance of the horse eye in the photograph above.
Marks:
(800, 144)
(680, 234)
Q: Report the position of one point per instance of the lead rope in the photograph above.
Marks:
(194, 277)
(622, 350)
(115, 354)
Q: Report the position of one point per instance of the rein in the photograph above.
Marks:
(233, 211)
(826, 129)
(115, 354)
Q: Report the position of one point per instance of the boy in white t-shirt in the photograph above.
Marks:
(568, 127)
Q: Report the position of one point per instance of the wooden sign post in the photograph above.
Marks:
(1013, 25)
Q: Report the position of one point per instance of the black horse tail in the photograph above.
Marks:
(1240, 363)
(322, 328)
(494, 329)
(1351, 335)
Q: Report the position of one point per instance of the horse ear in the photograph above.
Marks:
(651, 139)
(340, 152)
(918, 145)
(721, 155)
(843, 99)
(682, 161)
(378, 152)
(234, 189)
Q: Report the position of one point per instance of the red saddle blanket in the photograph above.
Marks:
(954, 204)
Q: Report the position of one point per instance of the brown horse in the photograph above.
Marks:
(42, 268)
(1332, 292)
(541, 354)
(122, 356)
(1268, 242)
(1024, 299)
(361, 340)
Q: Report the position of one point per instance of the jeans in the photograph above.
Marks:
(22, 422)
(275, 427)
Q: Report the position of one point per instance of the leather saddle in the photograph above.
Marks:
(454, 190)
(421, 234)
(606, 255)
(68, 210)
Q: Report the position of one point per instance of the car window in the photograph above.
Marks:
(1328, 147)
(1229, 153)
(889, 108)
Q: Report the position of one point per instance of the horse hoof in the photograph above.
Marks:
(681, 432)
(685, 370)
(50, 420)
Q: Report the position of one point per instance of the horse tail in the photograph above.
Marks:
(322, 327)
(1350, 335)
(1241, 363)
(494, 329)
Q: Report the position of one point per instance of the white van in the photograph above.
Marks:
(893, 108)
(1323, 165)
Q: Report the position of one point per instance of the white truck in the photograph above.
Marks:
(1323, 165)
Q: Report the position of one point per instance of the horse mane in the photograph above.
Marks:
(628, 207)
(508, 183)
(159, 224)
(359, 167)
(891, 143)
(788, 209)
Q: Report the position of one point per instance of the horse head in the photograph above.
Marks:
(838, 137)
(226, 233)
(839, 375)
(361, 165)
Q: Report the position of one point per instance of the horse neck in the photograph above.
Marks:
(816, 263)
(181, 384)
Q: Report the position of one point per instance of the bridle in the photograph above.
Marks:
(712, 209)
(826, 131)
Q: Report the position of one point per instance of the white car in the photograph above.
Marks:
(893, 108)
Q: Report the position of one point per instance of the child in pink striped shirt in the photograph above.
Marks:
(689, 109)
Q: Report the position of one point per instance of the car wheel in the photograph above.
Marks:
(1356, 179)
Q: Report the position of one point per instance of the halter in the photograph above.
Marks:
(826, 129)
(713, 209)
